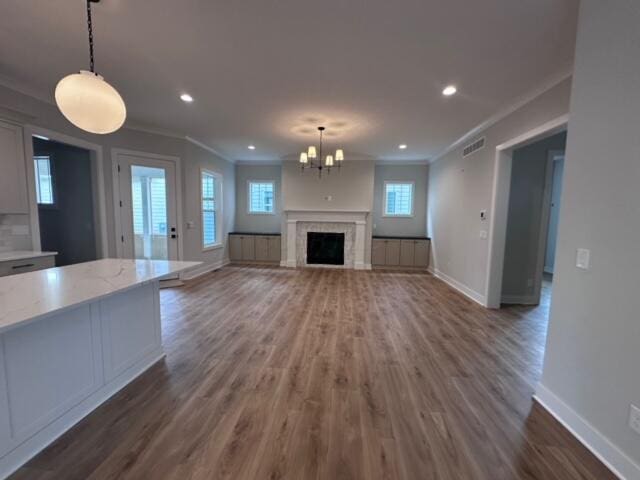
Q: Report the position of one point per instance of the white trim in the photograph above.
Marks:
(403, 163)
(460, 287)
(97, 174)
(204, 269)
(273, 185)
(384, 198)
(117, 195)
(208, 148)
(500, 203)
(597, 443)
(505, 112)
(219, 180)
(258, 163)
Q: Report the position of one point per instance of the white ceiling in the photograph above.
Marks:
(265, 72)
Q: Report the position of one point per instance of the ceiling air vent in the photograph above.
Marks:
(473, 147)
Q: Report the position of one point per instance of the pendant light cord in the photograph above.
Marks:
(90, 27)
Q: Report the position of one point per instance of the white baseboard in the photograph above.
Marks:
(609, 454)
(202, 269)
(288, 264)
(519, 300)
(38, 442)
(466, 291)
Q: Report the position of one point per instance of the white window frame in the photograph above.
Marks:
(384, 198)
(36, 177)
(218, 211)
(249, 182)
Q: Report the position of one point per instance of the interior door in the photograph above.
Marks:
(148, 208)
(554, 215)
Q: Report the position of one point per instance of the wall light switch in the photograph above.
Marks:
(583, 258)
(483, 215)
(483, 234)
(328, 198)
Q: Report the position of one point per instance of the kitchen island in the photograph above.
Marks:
(71, 337)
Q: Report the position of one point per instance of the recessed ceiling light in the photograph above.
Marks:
(185, 97)
(251, 147)
(402, 146)
(449, 90)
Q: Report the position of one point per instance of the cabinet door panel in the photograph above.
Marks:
(13, 179)
(392, 256)
(275, 249)
(248, 247)
(235, 247)
(262, 249)
(378, 252)
(421, 254)
(406, 252)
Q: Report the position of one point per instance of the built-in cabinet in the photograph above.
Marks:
(249, 247)
(13, 180)
(11, 267)
(400, 252)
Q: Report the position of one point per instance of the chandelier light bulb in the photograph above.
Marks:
(339, 155)
(303, 157)
(329, 161)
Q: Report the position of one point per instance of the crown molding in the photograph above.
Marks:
(138, 127)
(208, 148)
(259, 163)
(505, 112)
(403, 163)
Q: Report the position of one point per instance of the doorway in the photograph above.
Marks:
(556, 167)
(148, 206)
(528, 237)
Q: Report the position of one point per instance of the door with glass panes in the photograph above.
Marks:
(148, 208)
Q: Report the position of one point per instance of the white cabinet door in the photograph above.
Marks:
(13, 180)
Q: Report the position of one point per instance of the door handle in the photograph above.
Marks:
(173, 235)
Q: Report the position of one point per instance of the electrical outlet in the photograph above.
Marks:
(483, 234)
(634, 418)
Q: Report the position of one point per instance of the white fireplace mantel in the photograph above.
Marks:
(330, 217)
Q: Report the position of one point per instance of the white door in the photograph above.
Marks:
(148, 207)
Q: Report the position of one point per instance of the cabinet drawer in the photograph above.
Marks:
(12, 267)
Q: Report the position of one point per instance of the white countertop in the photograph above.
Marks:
(22, 254)
(27, 296)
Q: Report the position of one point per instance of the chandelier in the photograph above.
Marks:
(87, 100)
(312, 158)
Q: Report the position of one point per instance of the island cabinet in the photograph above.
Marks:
(410, 252)
(70, 338)
(254, 247)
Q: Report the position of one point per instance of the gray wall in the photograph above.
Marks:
(195, 158)
(246, 222)
(524, 221)
(593, 353)
(68, 227)
(350, 189)
(414, 226)
(23, 108)
(460, 187)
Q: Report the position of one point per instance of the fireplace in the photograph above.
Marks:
(325, 248)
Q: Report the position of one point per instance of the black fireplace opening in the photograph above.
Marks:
(325, 248)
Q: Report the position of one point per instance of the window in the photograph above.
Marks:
(398, 199)
(261, 197)
(210, 191)
(44, 180)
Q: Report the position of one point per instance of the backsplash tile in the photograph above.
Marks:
(14, 233)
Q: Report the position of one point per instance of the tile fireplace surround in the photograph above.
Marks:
(351, 223)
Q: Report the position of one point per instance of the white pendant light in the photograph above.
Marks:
(86, 100)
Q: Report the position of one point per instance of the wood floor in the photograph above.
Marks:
(328, 374)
